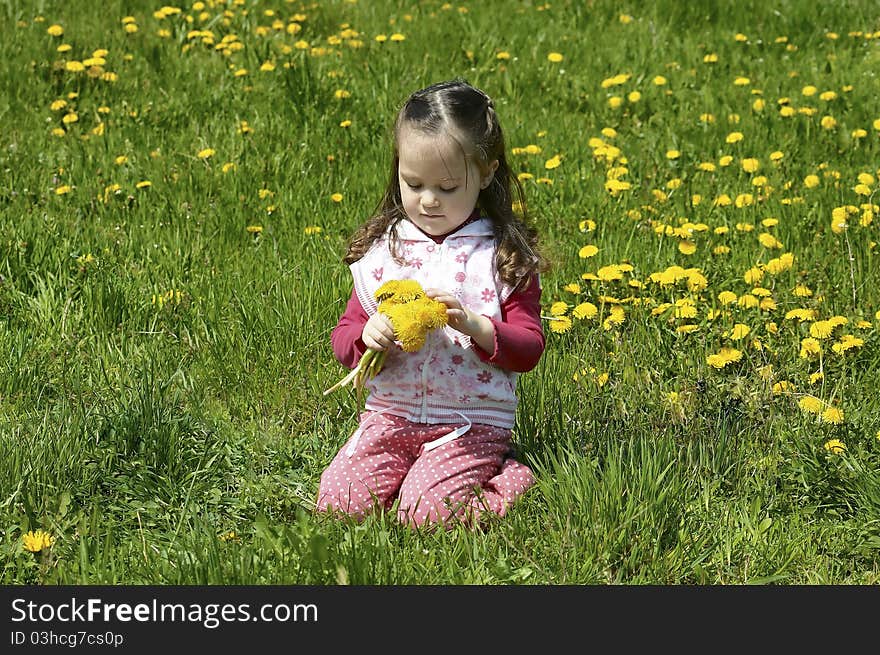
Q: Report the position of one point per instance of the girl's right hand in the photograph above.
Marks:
(378, 333)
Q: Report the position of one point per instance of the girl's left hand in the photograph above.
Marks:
(460, 317)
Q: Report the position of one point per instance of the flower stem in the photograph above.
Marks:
(368, 366)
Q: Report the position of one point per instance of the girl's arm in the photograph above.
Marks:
(348, 345)
(519, 336)
(516, 342)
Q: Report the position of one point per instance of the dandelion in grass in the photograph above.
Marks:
(782, 387)
(847, 342)
(811, 405)
(832, 415)
(821, 329)
(835, 446)
(724, 357)
(560, 324)
(740, 331)
(585, 310)
(37, 540)
(810, 348)
(616, 316)
(412, 314)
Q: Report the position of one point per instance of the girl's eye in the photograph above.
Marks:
(449, 190)
(414, 186)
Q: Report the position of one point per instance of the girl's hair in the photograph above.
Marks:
(467, 115)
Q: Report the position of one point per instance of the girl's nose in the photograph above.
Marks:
(429, 199)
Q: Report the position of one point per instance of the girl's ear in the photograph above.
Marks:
(486, 180)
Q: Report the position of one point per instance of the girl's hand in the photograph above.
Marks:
(378, 333)
(476, 326)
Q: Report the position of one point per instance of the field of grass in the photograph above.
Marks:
(177, 185)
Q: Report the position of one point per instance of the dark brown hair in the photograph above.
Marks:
(467, 115)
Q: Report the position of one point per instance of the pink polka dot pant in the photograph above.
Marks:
(393, 459)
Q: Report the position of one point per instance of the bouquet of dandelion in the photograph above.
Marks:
(411, 313)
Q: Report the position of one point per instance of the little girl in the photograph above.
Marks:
(435, 433)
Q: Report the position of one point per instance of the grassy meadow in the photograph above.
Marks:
(177, 186)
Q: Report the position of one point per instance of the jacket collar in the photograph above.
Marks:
(406, 231)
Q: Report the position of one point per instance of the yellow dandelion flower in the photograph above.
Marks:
(750, 164)
(585, 310)
(555, 57)
(254, 229)
(740, 331)
(811, 404)
(724, 357)
(833, 415)
(782, 387)
(336, 197)
(587, 225)
(810, 347)
(37, 540)
(821, 329)
(558, 308)
(616, 316)
(801, 314)
(734, 137)
(206, 153)
(727, 297)
(835, 446)
(753, 275)
(588, 251)
(560, 324)
(847, 342)
(769, 241)
(553, 162)
(610, 273)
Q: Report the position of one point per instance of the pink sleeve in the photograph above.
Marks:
(346, 336)
(519, 336)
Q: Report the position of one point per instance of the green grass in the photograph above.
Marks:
(163, 366)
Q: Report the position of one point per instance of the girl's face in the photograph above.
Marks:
(439, 186)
